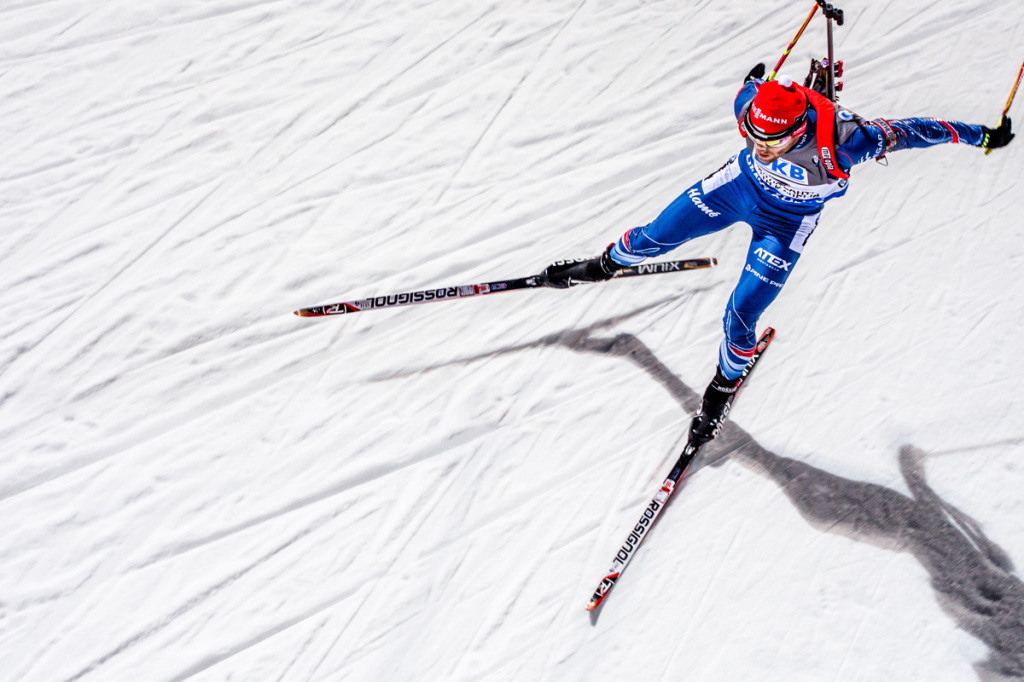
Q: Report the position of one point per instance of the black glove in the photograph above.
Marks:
(756, 72)
(997, 137)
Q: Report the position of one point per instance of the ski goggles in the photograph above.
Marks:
(771, 144)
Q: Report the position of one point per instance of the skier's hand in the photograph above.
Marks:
(756, 72)
(998, 137)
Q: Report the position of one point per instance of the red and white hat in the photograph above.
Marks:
(778, 110)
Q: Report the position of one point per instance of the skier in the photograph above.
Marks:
(800, 149)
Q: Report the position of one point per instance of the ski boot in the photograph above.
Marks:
(566, 273)
(714, 408)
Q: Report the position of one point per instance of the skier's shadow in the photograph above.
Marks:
(973, 578)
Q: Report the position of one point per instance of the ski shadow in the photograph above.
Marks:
(973, 578)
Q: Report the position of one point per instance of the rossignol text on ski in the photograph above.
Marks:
(661, 498)
(497, 287)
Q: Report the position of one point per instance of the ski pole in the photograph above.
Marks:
(789, 49)
(1009, 102)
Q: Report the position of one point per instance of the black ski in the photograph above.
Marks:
(660, 500)
(467, 291)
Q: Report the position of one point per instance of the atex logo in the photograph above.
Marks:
(772, 260)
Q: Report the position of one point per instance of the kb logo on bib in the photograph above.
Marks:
(787, 171)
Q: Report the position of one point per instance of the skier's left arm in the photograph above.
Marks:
(875, 138)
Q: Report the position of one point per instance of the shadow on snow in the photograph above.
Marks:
(973, 578)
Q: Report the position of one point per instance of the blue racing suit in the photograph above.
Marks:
(781, 202)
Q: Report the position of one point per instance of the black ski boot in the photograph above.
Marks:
(713, 409)
(566, 273)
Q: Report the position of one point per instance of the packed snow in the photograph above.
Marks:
(195, 484)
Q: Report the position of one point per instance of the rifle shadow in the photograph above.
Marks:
(973, 578)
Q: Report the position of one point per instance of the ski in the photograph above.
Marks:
(500, 286)
(660, 499)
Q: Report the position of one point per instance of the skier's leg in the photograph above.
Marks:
(710, 205)
(769, 263)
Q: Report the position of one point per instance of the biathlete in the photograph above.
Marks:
(800, 149)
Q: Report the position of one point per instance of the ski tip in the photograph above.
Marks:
(594, 603)
(303, 312)
(714, 262)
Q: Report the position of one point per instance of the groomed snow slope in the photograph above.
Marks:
(197, 485)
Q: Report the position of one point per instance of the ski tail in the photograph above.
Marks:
(667, 266)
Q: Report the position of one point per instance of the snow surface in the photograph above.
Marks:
(197, 485)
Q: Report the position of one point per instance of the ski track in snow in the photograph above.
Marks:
(197, 485)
